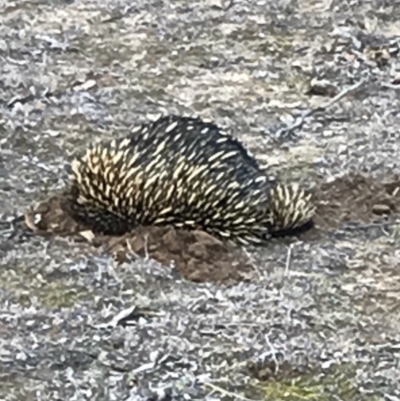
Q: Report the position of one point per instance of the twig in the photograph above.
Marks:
(253, 264)
(345, 229)
(301, 120)
(227, 393)
(273, 352)
(130, 249)
(146, 247)
(390, 86)
(371, 225)
(288, 259)
(118, 16)
(224, 8)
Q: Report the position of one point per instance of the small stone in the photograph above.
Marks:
(381, 209)
(322, 88)
(396, 79)
(88, 235)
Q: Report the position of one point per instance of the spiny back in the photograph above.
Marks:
(192, 142)
(176, 170)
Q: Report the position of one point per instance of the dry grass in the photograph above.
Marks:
(319, 318)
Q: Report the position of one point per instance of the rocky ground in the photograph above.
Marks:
(312, 88)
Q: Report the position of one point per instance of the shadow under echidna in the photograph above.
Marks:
(184, 172)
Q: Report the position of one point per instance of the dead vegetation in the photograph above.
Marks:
(312, 88)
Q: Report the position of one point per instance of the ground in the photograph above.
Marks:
(313, 317)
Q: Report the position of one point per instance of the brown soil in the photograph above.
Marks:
(200, 257)
(355, 199)
(196, 255)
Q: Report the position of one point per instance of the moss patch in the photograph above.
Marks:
(316, 385)
(29, 287)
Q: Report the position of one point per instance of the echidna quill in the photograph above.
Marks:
(184, 172)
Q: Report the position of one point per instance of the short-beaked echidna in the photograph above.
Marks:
(185, 172)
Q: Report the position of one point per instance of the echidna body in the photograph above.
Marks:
(184, 172)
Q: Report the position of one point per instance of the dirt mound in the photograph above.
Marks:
(195, 254)
(357, 199)
(200, 257)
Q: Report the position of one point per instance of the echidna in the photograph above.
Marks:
(185, 172)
